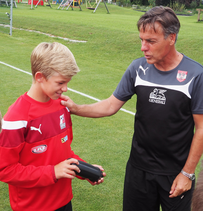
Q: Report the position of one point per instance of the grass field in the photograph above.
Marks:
(112, 43)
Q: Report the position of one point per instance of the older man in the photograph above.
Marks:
(169, 87)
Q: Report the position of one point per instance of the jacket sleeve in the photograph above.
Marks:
(12, 171)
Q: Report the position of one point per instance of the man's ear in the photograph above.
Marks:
(39, 77)
(172, 39)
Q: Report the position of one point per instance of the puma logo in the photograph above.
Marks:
(36, 129)
(144, 70)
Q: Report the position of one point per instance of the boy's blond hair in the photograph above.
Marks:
(49, 58)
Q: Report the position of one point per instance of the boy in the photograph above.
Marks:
(37, 134)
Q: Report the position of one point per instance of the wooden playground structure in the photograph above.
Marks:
(90, 4)
(7, 3)
(76, 3)
(95, 5)
(199, 12)
(40, 2)
(70, 3)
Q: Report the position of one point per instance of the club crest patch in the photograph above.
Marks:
(62, 122)
(181, 75)
(63, 140)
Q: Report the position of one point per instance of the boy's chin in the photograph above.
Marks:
(55, 97)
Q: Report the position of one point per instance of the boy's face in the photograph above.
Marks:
(54, 86)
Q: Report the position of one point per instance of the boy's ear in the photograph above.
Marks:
(39, 77)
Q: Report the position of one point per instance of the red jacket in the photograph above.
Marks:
(35, 137)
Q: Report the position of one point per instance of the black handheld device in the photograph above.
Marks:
(88, 171)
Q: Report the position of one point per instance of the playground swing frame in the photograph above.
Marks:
(64, 3)
(97, 4)
(48, 3)
(91, 7)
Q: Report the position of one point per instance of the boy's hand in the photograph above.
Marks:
(66, 101)
(66, 170)
(101, 179)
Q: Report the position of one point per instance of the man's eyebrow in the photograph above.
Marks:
(149, 39)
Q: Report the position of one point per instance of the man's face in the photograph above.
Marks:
(155, 47)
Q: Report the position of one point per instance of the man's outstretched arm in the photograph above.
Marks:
(103, 108)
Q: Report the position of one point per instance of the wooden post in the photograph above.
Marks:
(199, 12)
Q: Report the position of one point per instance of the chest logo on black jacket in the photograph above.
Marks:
(157, 96)
(62, 121)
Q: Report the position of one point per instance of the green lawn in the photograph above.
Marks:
(112, 43)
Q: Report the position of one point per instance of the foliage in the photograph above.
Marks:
(179, 9)
(193, 4)
(140, 2)
(125, 3)
(152, 3)
(176, 6)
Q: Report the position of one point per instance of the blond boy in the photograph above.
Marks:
(37, 134)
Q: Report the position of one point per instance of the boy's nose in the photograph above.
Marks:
(64, 88)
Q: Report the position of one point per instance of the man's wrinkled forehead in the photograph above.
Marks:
(153, 27)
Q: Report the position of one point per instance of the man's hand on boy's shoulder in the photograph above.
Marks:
(66, 101)
(101, 180)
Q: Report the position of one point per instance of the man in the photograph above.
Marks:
(169, 86)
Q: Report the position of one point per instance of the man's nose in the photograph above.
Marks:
(144, 46)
